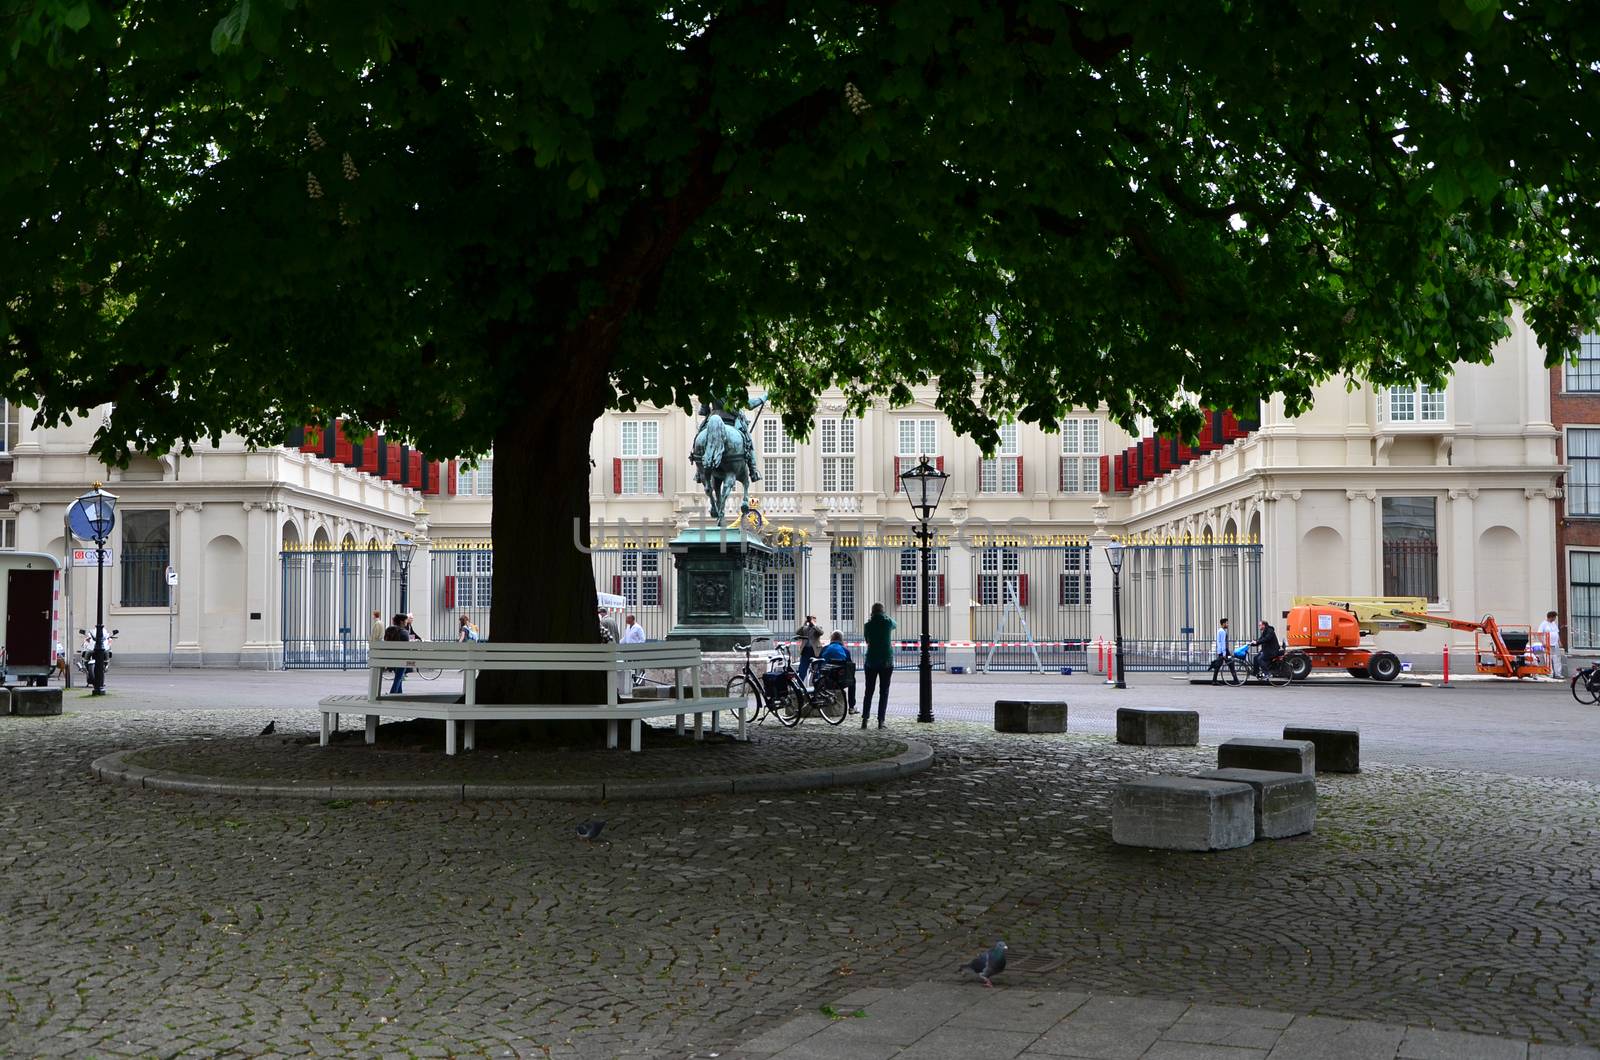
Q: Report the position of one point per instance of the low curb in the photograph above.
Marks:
(114, 769)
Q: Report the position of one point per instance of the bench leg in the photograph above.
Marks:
(743, 735)
(372, 728)
(699, 726)
(472, 735)
(637, 743)
(336, 723)
(449, 736)
(611, 735)
(326, 728)
(716, 721)
(680, 725)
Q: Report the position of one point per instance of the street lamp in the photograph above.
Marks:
(404, 547)
(92, 517)
(1114, 557)
(924, 485)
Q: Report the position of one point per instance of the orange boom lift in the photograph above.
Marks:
(1325, 632)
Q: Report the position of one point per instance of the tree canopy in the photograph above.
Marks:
(481, 223)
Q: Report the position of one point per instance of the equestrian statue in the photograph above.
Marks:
(724, 452)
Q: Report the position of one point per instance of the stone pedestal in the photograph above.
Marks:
(1183, 813)
(1286, 803)
(1019, 715)
(35, 702)
(1338, 750)
(720, 578)
(1156, 727)
(1277, 756)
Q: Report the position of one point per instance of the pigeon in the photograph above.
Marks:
(589, 831)
(272, 727)
(988, 963)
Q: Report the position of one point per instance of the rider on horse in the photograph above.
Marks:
(729, 412)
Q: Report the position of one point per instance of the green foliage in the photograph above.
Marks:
(239, 215)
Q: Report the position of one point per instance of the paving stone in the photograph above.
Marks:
(1172, 1050)
(1545, 1051)
(1421, 1043)
(1017, 1010)
(1321, 1038)
(1101, 1041)
(1229, 1025)
(965, 1043)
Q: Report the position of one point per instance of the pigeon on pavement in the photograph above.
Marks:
(988, 963)
(589, 831)
(272, 727)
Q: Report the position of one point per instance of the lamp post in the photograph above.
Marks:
(924, 485)
(404, 547)
(93, 516)
(1114, 557)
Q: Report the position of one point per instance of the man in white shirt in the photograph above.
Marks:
(1224, 656)
(1552, 629)
(633, 633)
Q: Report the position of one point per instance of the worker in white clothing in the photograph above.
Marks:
(1551, 629)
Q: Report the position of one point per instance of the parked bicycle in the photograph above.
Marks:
(1277, 672)
(1586, 684)
(779, 693)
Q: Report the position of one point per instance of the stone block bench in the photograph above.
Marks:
(1277, 756)
(1286, 803)
(1338, 750)
(1157, 727)
(1183, 813)
(1027, 715)
(613, 661)
(35, 702)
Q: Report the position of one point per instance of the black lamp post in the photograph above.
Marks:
(93, 516)
(403, 550)
(1114, 557)
(924, 485)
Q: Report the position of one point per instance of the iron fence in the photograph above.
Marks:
(785, 583)
(329, 596)
(860, 576)
(462, 583)
(642, 574)
(1031, 605)
(1174, 594)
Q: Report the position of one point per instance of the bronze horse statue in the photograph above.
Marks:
(724, 454)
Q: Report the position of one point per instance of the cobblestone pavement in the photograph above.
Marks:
(150, 923)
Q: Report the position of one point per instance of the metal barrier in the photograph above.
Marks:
(642, 574)
(1173, 595)
(862, 575)
(1038, 593)
(329, 595)
(462, 576)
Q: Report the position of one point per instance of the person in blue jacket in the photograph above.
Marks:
(844, 670)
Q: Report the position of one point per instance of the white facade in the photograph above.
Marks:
(1475, 467)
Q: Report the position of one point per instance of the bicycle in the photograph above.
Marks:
(780, 693)
(1277, 673)
(1586, 684)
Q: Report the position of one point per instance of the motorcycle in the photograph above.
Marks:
(84, 663)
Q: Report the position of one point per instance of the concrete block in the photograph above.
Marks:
(5, 701)
(35, 702)
(1338, 750)
(1024, 715)
(1157, 727)
(1277, 756)
(1286, 803)
(1183, 813)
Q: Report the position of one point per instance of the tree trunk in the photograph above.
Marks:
(543, 584)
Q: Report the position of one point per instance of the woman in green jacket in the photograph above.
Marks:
(879, 663)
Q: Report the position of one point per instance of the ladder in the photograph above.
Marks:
(1012, 606)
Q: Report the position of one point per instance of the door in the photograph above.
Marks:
(28, 598)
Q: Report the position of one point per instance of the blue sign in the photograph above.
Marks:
(83, 516)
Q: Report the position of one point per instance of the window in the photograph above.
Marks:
(777, 457)
(1418, 403)
(1583, 481)
(915, 439)
(473, 584)
(1000, 577)
(842, 590)
(1080, 456)
(10, 425)
(146, 540)
(638, 469)
(1584, 377)
(1584, 577)
(836, 440)
(780, 593)
(640, 580)
(1410, 547)
(479, 481)
(1074, 590)
(905, 583)
(1002, 473)
(8, 533)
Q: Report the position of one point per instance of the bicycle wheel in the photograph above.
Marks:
(428, 673)
(1582, 691)
(832, 705)
(790, 710)
(742, 688)
(1279, 673)
(1234, 678)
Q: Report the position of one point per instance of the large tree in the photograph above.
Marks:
(480, 223)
